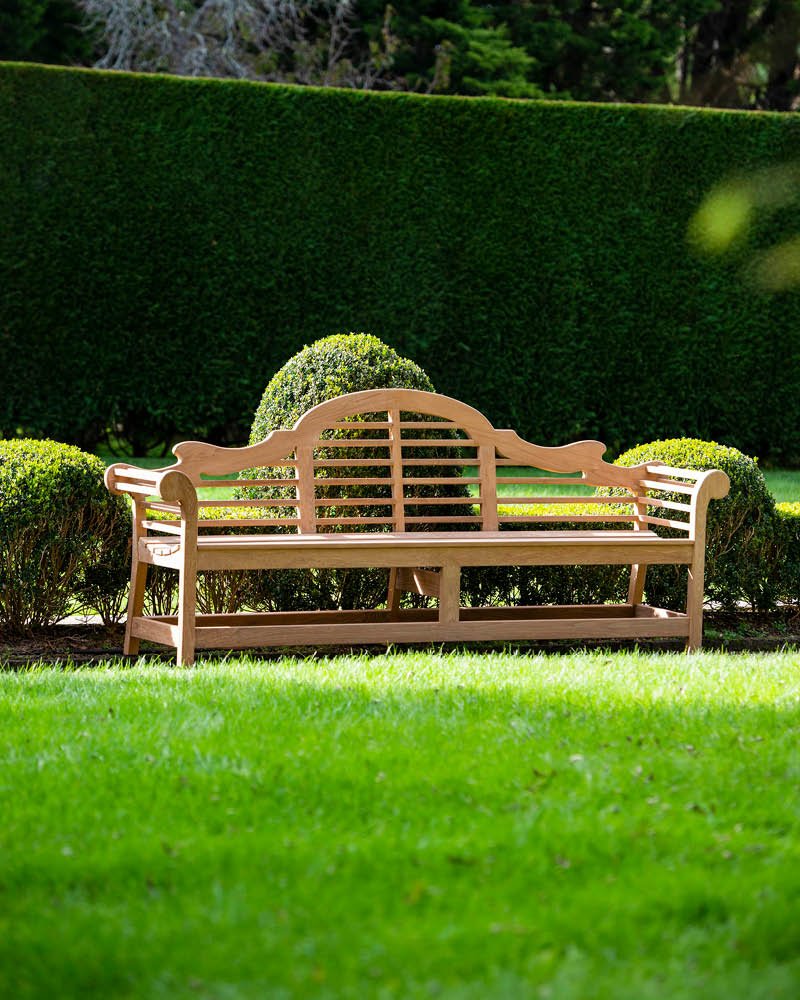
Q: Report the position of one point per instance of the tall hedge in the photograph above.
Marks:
(167, 244)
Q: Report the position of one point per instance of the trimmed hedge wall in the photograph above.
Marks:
(168, 243)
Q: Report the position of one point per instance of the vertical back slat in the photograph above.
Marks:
(396, 455)
(488, 486)
(305, 489)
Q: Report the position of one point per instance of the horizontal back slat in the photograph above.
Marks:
(665, 522)
(666, 486)
(568, 498)
(226, 484)
(565, 518)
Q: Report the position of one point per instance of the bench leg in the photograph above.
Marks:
(695, 593)
(187, 605)
(393, 594)
(449, 594)
(130, 645)
(636, 585)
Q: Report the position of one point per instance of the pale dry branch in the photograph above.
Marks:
(276, 40)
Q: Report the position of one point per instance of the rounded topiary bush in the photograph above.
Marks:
(786, 562)
(741, 528)
(333, 366)
(63, 537)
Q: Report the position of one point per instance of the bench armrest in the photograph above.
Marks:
(711, 484)
(168, 485)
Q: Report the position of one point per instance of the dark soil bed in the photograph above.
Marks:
(80, 644)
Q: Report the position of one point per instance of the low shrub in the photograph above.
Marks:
(521, 585)
(786, 562)
(218, 591)
(64, 538)
(741, 528)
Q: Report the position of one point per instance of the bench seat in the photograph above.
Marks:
(417, 548)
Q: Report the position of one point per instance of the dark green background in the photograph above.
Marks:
(167, 244)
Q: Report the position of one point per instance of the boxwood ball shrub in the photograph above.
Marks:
(786, 561)
(330, 367)
(741, 528)
(349, 362)
(63, 537)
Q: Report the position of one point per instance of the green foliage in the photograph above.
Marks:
(741, 528)
(478, 61)
(520, 585)
(169, 242)
(63, 537)
(786, 563)
(47, 31)
(331, 367)
(218, 591)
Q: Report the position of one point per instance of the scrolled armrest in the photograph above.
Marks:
(169, 485)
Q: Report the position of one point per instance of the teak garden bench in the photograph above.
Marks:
(379, 479)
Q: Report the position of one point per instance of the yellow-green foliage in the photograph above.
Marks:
(740, 533)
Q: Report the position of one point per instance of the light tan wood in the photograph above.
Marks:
(516, 613)
(406, 543)
(418, 581)
(488, 486)
(667, 486)
(397, 469)
(359, 633)
(130, 644)
(394, 592)
(590, 501)
(156, 630)
(567, 518)
(414, 549)
(449, 594)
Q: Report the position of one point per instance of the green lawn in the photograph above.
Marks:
(409, 825)
(783, 484)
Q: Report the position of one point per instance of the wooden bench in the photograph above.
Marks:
(381, 479)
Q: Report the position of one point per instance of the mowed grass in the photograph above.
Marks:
(404, 825)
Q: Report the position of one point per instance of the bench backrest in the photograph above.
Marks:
(403, 460)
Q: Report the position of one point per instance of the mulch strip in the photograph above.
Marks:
(62, 645)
